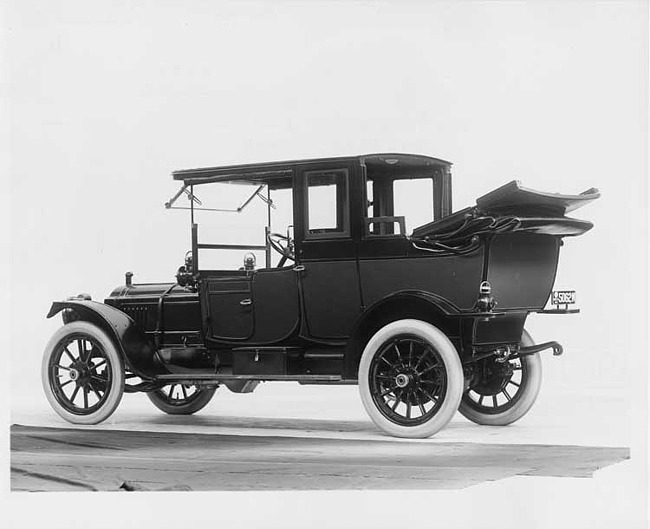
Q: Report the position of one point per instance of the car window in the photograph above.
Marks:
(396, 206)
(414, 200)
(327, 204)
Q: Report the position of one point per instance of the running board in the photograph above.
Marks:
(216, 377)
(341, 382)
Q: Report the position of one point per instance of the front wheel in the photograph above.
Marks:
(82, 373)
(410, 379)
(181, 399)
(502, 393)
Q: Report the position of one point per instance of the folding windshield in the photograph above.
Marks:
(251, 208)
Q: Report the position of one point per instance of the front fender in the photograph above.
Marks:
(136, 349)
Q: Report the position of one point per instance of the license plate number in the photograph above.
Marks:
(563, 297)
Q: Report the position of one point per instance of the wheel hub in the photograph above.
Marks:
(81, 373)
(402, 380)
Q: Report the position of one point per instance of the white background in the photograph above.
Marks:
(106, 99)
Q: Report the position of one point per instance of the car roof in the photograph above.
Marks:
(279, 174)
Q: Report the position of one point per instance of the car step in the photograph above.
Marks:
(217, 377)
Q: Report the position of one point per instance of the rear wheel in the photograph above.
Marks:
(502, 393)
(82, 373)
(181, 399)
(410, 379)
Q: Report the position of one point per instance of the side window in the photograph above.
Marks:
(414, 200)
(391, 200)
(326, 204)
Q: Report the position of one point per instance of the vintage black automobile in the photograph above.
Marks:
(426, 324)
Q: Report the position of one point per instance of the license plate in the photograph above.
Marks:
(563, 297)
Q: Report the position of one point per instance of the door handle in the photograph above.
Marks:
(246, 302)
(299, 268)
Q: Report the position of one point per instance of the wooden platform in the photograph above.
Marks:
(61, 459)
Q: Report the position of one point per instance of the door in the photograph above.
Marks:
(275, 304)
(326, 248)
(227, 306)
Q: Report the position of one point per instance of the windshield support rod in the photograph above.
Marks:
(171, 201)
(248, 200)
(267, 200)
(207, 209)
(195, 200)
(190, 195)
(257, 192)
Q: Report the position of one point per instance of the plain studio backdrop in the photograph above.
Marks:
(107, 98)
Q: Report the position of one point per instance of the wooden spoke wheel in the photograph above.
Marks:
(410, 379)
(82, 373)
(181, 399)
(503, 392)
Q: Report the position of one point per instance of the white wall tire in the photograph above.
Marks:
(82, 373)
(501, 410)
(180, 399)
(410, 379)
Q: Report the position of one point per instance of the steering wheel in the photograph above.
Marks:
(283, 245)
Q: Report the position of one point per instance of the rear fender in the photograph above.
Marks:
(401, 305)
(137, 351)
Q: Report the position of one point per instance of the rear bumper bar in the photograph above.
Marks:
(532, 349)
(558, 311)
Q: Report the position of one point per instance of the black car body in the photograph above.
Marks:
(473, 276)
